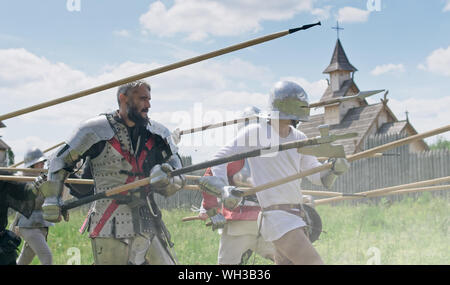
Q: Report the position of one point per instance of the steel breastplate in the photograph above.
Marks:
(108, 172)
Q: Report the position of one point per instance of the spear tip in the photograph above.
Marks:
(304, 27)
(2, 125)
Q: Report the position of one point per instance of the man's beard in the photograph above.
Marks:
(135, 116)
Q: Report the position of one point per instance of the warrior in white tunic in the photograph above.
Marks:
(282, 217)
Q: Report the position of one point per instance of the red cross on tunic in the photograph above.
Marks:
(136, 165)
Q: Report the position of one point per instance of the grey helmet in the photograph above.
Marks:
(288, 101)
(33, 156)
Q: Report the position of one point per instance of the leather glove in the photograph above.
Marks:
(218, 221)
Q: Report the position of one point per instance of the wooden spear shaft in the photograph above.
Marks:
(155, 71)
(217, 125)
(31, 178)
(28, 170)
(421, 189)
(305, 192)
(361, 155)
(383, 191)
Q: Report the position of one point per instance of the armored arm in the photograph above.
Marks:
(159, 178)
(89, 133)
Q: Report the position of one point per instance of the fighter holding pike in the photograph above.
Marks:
(282, 220)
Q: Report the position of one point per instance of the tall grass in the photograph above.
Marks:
(406, 232)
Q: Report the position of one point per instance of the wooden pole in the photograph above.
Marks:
(27, 170)
(361, 155)
(31, 179)
(383, 191)
(155, 72)
(422, 189)
(193, 218)
(305, 192)
(217, 125)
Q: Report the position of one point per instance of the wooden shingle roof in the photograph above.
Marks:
(346, 85)
(392, 127)
(3, 145)
(339, 60)
(358, 120)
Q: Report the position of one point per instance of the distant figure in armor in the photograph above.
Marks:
(34, 230)
(121, 147)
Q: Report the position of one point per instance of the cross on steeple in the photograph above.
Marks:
(337, 28)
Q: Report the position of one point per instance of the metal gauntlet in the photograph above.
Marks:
(162, 182)
(216, 186)
(340, 166)
(52, 190)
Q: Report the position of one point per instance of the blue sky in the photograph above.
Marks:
(47, 51)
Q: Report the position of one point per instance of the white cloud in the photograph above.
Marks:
(438, 62)
(447, 6)
(322, 13)
(122, 33)
(385, 68)
(201, 18)
(352, 15)
(424, 114)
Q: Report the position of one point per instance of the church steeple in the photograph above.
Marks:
(339, 61)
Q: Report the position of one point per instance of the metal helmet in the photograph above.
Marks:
(288, 101)
(33, 156)
(249, 111)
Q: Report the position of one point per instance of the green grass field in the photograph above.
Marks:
(407, 232)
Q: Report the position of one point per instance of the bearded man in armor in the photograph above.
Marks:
(121, 147)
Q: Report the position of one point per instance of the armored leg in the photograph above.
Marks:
(158, 254)
(110, 251)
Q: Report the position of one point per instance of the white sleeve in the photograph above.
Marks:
(235, 146)
(307, 162)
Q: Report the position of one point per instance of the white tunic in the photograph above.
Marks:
(269, 168)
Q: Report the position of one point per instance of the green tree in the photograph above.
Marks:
(10, 155)
(441, 143)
